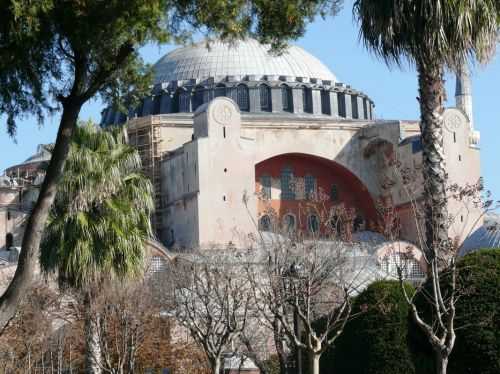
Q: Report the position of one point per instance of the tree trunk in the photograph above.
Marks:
(28, 258)
(216, 366)
(93, 351)
(441, 364)
(314, 363)
(278, 342)
(432, 94)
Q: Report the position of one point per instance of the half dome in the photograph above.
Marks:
(244, 58)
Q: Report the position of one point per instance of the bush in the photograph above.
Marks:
(272, 365)
(477, 347)
(375, 340)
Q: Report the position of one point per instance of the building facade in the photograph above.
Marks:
(238, 140)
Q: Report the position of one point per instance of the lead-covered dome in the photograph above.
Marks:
(244, 58)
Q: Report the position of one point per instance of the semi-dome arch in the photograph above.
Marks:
(352, 192)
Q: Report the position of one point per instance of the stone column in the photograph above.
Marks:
(276, 99)
(348, 105)
(298, 106)
(316, 101)
(361, 107)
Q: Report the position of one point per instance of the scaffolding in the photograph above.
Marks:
(144, 135)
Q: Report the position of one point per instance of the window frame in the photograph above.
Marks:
(309, 223)
(266, 98)
(286, 98)
(286, 179)
(266, 190)
(243, 97)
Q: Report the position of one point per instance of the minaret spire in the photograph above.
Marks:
(463, 92)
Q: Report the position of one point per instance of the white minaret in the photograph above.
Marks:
(463, 93)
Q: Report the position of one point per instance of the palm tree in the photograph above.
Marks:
(432, 35)
(99, 222)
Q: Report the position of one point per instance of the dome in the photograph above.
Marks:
(486, 236)
(243, 58)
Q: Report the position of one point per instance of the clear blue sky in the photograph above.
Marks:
(335, 42)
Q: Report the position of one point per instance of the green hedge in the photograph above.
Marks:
(477, 347)
(375, 340)
(382, 339)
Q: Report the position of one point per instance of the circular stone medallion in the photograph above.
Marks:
(222, 113)
(453, 120)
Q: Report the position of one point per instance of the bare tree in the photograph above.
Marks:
(440, 291)
(213, 301)
(306, 286)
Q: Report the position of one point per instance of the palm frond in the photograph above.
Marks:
(101, 217)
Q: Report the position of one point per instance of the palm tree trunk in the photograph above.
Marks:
(93, 352)
(432, 94)
(28, 257)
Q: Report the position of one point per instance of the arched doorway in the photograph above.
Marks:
(304, 186)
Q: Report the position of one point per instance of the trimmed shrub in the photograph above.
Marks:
(375, 340)
(477, 347)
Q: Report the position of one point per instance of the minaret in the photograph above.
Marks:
(463, 93)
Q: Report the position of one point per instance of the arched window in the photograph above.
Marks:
(265, 183)
(325, 102)
(342, 104)
(286, 98)
(334, 193)
(313, 223)
(358, 223)
(409, 266)
(242, 97)
(220, 90)
(156, 104)
(9, 240)
(289, 223)
(265, 223)
(354, 106)
(184, 98)
(175, 102)
(307, 99)
(287, 189)
(198, 97)
(335, 225)
(310, 187)
(265, 98)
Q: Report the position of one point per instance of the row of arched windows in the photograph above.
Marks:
(184, 100)
(290, 223)
(181, 99)
(288, 188)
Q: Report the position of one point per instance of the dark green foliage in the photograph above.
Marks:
(101, 217)
(375, 340)
(447, 31)
(272, 365)
(477, 348)
(51, 49)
